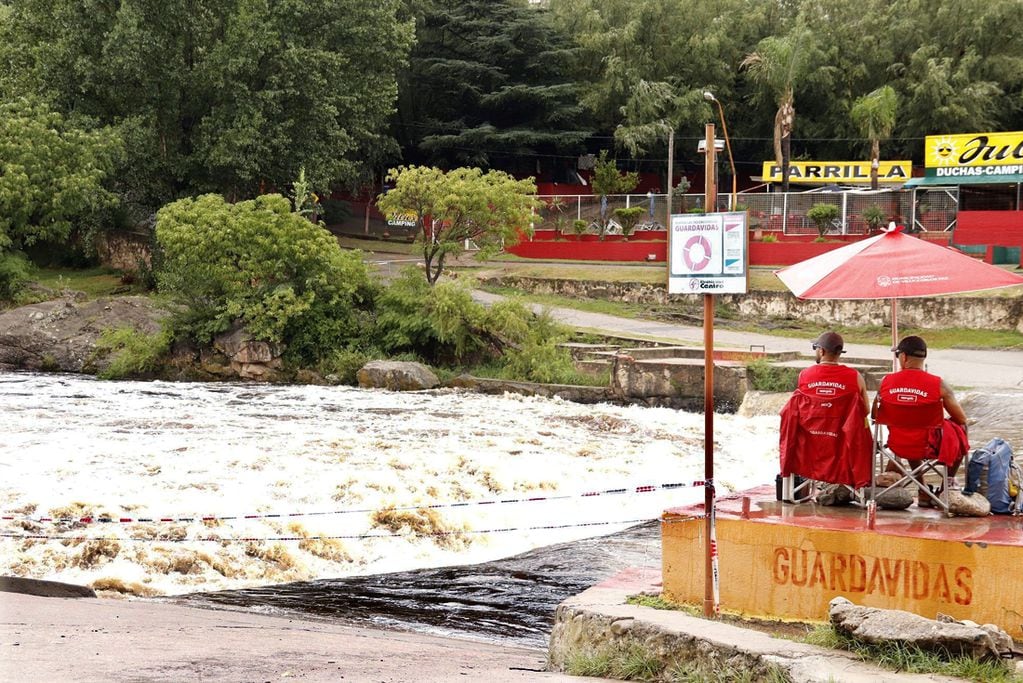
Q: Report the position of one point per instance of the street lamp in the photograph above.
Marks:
(709, 96)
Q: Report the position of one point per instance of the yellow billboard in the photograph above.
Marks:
(974, 150)
(839, 172)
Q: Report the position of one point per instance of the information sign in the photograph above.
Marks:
(708, 253)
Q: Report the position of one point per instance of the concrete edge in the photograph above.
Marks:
(44, 589)
(599, 617)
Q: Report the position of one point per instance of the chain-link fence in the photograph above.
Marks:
(859, 212)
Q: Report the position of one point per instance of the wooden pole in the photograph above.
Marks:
(710, 201)
(671, 160)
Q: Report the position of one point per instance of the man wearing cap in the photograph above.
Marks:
(824, 435)
(828, 377)
(913, 384)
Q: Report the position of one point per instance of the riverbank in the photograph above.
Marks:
(91, 639)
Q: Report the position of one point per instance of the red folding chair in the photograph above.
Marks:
(824, 439)
(903, 430)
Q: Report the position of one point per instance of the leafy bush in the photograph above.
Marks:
(345, 363)
(14, 271)
(444, 326)
(437, 322)
(536, 355)
(134, 353)
(874, 216)
(822, 215)
(628, 218)
(766, 377)
(259, 264)
(51, 173)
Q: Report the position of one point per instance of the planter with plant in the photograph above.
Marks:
(822, 215)
(874, 217)
(579, 227)
(628, 218)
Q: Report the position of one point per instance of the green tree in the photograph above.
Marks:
(776, 66)
(486, 86)
(259, 264)
(608, 180)
(462, 205)
(643, 65)
(52, 176)
(874, 115)
(217, 95)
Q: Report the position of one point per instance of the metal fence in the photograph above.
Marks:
(921, 210)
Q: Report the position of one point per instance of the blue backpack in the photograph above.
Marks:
(993, 474)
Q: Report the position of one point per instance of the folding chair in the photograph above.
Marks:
(824, 440)
(909, 424)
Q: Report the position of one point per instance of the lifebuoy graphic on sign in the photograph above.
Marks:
(696, 253)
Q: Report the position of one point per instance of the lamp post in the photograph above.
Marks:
(709, 96)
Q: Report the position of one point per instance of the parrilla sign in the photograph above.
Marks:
(844, 172)
(972, 150)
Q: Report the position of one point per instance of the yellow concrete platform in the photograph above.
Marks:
(788, 561)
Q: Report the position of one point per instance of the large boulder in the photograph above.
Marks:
(873, 625)
(396, 376)
(247, 357)
(61, 335)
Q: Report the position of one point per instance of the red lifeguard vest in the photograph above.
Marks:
(823, 432)
(911, 393)
(829, 381)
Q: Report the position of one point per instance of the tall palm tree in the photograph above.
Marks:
(775, 66)
(874, 115)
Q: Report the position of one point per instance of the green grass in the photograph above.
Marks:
(634, 662)
(374, 246)
(623, 662)
(95, 282)
(658, 602)
(911, 659)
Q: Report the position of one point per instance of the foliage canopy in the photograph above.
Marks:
(259, 264)
(51, 173)
(489, 209)
(217, 95)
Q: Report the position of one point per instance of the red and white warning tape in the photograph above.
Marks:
(255, 539)
(105, 519)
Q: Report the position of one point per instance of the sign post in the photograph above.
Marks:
(708, 254)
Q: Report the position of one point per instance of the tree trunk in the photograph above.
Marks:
(875, 161)
(784, 123)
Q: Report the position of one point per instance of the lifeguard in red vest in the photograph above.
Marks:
(824, 434)
(914, 389)
(828, 377)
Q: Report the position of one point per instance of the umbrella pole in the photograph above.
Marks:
(895, 334)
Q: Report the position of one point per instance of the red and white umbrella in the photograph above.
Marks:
(892, 265)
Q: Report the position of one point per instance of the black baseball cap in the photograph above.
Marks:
(831, 342)
(912, 346)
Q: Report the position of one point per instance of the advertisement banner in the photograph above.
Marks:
(973, 150)
(708, 253)
(839, 172)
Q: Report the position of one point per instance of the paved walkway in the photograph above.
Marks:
(964, 369)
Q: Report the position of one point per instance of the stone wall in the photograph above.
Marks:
(984, 312)
(123, 250)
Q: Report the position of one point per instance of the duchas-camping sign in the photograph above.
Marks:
(974, 154)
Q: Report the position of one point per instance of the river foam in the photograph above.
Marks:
(319, 482)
